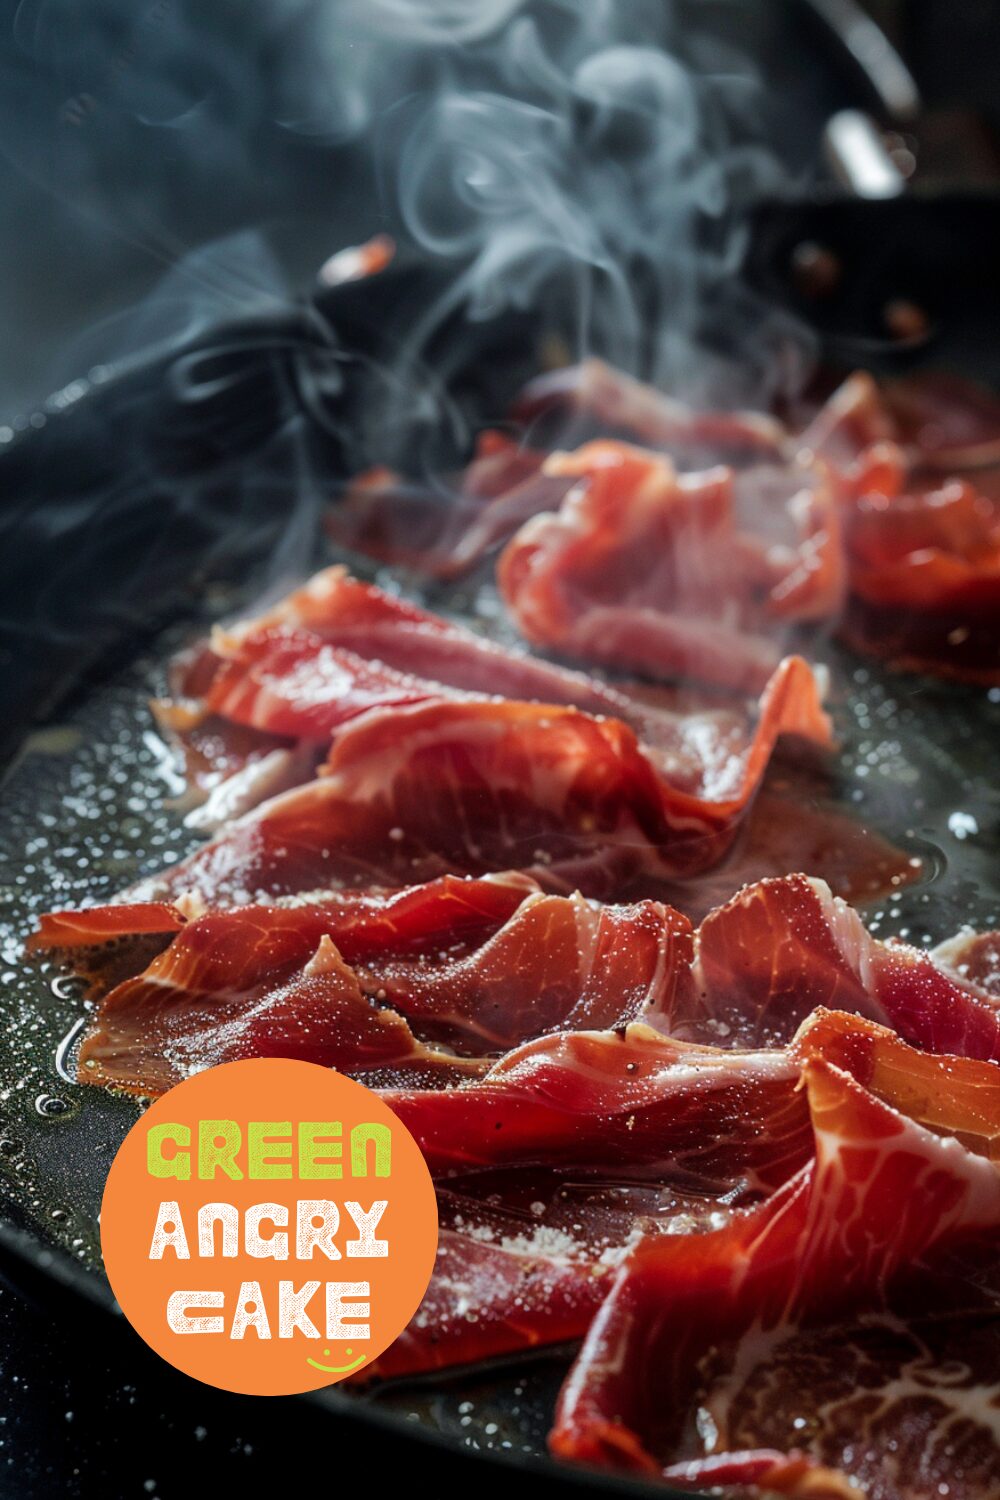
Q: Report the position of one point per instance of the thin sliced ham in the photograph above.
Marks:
(782, 947)
(709, 1361)
(150, 1033)
(477, 785)
(552, 1165)
(477, 966)
(675, 575)
(93, 926)
(593, 397)
(525, 1259)
(442, 529)
(638, 1102)
(255, 711)
(917, 461)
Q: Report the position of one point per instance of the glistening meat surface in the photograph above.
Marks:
(255, 710)
(363, 983)
(675, 575)
(780, 948)
(480, 784)
(694, 1334)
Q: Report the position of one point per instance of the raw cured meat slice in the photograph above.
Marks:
(921, 533)
(255, 711)
(850, 423)
(150, 1034)
(93, 926)
(527, 1252)
(675, 575)
(639, 1102)
(442, 530)
(363, 922)
(478, 785)
(782, 947)
(951, 424)
(907, 1079)
(491, 1299)
(872, 1230)
(479, 965)
(925, 579)
(106, 944)
(593, 397)
(559, 963)
(525, 1259)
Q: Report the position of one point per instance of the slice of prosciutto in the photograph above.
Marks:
(839, 1339)
(552, 1165)
(782, 947)
(479, 784)
(638, 1102)
(918, 462)
(153, 1031)
(693, 575)
(594, 399)
(442, 529)
(255, 710)
(525, 1259)
(362, 983)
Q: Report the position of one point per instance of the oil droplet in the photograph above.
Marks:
(51, 1105)
(67, 987)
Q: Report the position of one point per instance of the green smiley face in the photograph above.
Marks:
(337, 1369)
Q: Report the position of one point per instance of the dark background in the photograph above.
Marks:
(130, 134)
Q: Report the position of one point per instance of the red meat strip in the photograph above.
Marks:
(255, 711)
(638, 1102)
(524, 1261)
(527, 1250)
(675, 575)
(151, 1033)
(782, 947)
(95, 925)
(811, 1346)
(921, 520)
(479, 965)
(478, 785)
(593, 397)
(442, 530)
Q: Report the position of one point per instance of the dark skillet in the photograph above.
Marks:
(163, 449)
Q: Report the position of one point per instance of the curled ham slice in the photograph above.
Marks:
(443, 529)
(868, 1235)
(597, 1101)
(350, 981)
(255, 710)
(552, 1164)
(474, 785)
(651, 571)
(782, 947)
(593, 396)
(917, 462)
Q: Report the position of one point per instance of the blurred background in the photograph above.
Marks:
(134, 131)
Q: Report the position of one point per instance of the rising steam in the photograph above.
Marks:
(583, 164)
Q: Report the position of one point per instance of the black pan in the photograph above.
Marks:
(82, 807)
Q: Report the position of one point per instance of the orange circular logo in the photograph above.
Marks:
(269, 1226)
